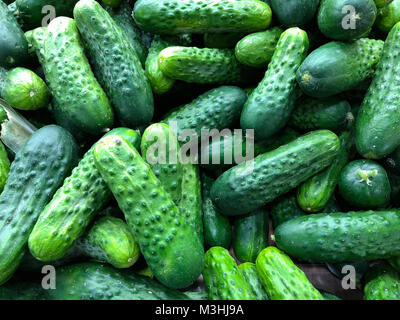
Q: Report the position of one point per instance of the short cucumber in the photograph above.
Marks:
(294, 13)
(382, 283)
(4, 166)
(388, 16)
(249, 273)
(284, 209)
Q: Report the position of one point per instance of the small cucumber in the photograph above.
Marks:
(388, 16)
(4, 166)
(382, 283)
(249, 273)
(292, 13)
(284, 209)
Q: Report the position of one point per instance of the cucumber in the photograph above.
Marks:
(294, 13)
(222, 277)
(364, 184)
(284, 209)
(73, 206)
(13, 44)
(250, 235)
(197, 295)
(382, 283)
(282, 279)
(201, 16)
(71, 79)
(16, 289)
(382, 3)
(252, 184)
(37, 171)
(222, 40)
(388, 16)
(314, 194)
(4, 166)
(249, 273)
(336, 67)
(333, 237)
(270, 103)
(378, 122)
(217, 229)
(166, 241)
(346, 20)
(329, 296)
(256, 49)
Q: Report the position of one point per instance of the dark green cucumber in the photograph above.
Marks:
(382, 283)
(273, 100)
(222, 277)
(341, 237)
(346, 20)
(364, 184)
(73, 206)
(284, 209)
(197, 295)
(378, 122)
(38, 169)
(388, 16)
(257, 49)
(336, 67)
(201, 16)
(166, 241)
(250, 235)
(222, 40)
(254, 183)
(217, 229)
(292, 13)
(282, 279)
(4, 166)
(249, 273)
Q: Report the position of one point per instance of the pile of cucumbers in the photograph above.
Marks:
(131, 184)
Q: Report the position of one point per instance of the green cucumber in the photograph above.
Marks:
(197, 295)
(16, 289)
(273, 100)
(329, 296)
(382, 283)
(341, 237)
(382, 3)
(249, 273)
(254, 183)
(336, 67)
(294, 13)
(201, 16)
(346, 20)
(250, 235)
(73, 206)
(222, 277)
(39, 168)
(284, 209)
(4, 166)
(166, 241)
(282, 279)
(222, 40)
(364, 184)
(388, 16)
(256, 49)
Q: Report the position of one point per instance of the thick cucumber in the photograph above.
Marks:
(269, 106)
(378, 122)
(217, 229)
(249, 273)
(166, 241)
(388, 16)
(294, 13)
(254, 183)
(125, 81)
(4, 166)
(73, 206)
(382, 283)
(341, 237)
(250, 235)
(336, 67)
(222, 277)
(222, 40)
(282, 279)
(71, 79)
(38, 169)
(284, 209)
(257, 49)
(201, 16)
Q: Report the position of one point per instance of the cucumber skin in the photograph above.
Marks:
(222, 277)
(388, 16)
(315, 73)
(382, 283)
(249, 273)
(175, 257)
(48, 155)
(73, 206)
(4, 166)
(196, 16)
(294, 12)
(250, 235)
(282, 279)
(382, 3)
(331, 237)
(270, 103)
(274, 173)
(284, 209)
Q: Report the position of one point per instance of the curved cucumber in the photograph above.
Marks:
(382, 283)
(293, 13)
(249, 273)
(388, 16)
(4, 166)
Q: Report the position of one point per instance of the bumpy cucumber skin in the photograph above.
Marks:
(125, 81)
(38, 169)
(201, 65)
(282, 279)
(382, 283)
(249, 273)
(250, 235)
(196, 16)
(257, 49)
(166, 241)
(73, 206)
(36, 38)
(254, 183)
(222, 40)
(71, 80)
(3, 74)
(269, 106)
(388, 16)
(222, 277)
(294, 12)
(4, 166)
(284, 209)
(350, 63)
(341, 237)
(217, 229)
